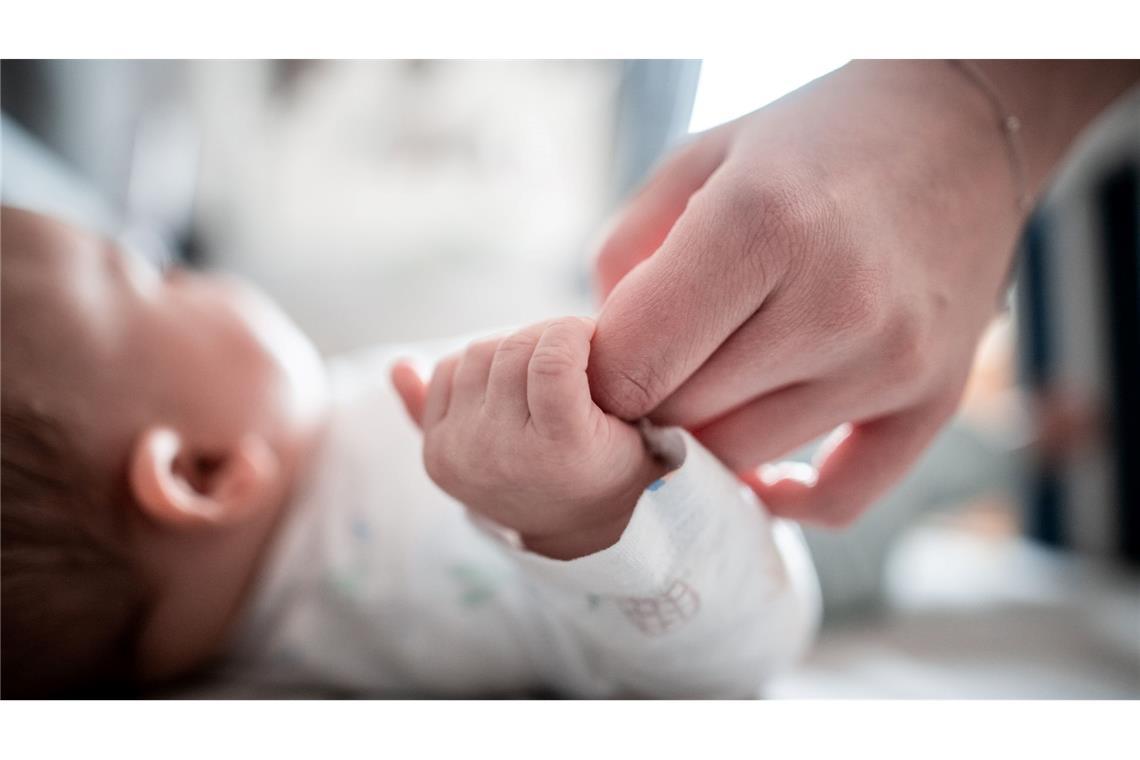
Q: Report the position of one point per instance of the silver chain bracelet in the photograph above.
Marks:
(1008, 123)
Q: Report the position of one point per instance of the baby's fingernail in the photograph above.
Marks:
(801, 472)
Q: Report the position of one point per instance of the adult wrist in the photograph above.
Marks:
(1055, 100)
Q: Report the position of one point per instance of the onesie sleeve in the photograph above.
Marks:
(704, 595)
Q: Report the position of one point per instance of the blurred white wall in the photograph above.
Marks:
(731, 87)
(399, 200)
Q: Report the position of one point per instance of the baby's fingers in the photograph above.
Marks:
(439, 392)
(557, 391)
(471, 374)
(506, 386)
(412, 389)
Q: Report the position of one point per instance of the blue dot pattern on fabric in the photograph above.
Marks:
(476, 584)
(656, 484)
(359, 528)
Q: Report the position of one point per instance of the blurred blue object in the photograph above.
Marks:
(32, 177)
(655, 101)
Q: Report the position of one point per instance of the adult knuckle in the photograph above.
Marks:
(787, 213)
(738, 198)
(780, 221)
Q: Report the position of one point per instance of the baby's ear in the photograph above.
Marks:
(179, 485)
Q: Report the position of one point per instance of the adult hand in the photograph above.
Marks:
(832, 258)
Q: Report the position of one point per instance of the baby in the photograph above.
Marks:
(186, 484)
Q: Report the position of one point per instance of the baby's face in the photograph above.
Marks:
(117, 344)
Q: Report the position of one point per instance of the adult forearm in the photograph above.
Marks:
(1054, 101)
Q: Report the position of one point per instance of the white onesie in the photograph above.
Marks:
(380, 584)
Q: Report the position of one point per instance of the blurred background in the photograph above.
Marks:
(397, 201)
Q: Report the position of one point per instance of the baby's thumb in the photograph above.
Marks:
(412, 390)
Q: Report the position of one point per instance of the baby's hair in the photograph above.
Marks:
(71, 602)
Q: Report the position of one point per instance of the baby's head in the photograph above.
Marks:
(153, 423)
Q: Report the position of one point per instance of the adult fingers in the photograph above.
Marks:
(642, 225)
(439, 392)
(411, 388)
(856, 468)
(556, 391)
(721, 260)
(506, 384)
(471, 374)
(776, 424)
(765, 354)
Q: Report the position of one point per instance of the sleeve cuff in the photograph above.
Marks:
(673, 516)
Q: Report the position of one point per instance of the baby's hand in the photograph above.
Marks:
(510, 430)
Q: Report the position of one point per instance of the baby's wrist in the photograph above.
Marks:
(581, 543)
(594, 536)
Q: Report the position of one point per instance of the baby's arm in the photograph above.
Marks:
(650, 581)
